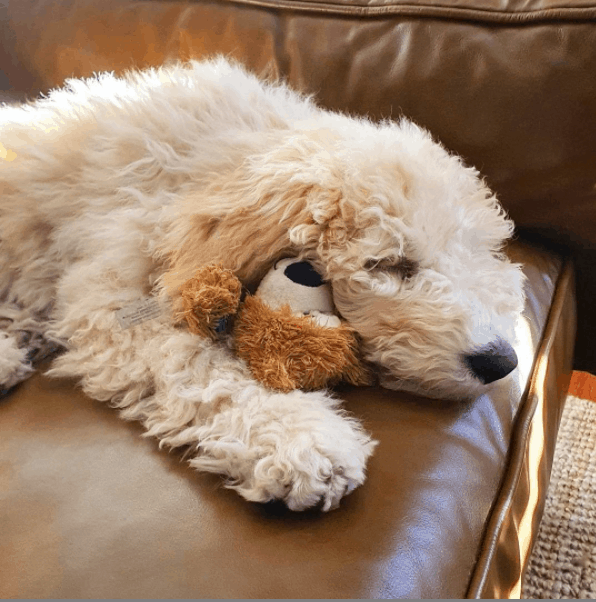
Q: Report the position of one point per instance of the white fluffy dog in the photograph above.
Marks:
(117, 188)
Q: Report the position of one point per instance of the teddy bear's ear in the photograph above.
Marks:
(210, 295)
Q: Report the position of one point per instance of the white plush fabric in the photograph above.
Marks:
(114, 188)
(277, 290)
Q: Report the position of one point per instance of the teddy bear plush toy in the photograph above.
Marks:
(287, 332)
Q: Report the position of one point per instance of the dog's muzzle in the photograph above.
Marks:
(492, 362)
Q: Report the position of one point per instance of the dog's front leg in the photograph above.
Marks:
(297, 447)
(192, 393)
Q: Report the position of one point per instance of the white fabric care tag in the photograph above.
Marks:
(139, 311)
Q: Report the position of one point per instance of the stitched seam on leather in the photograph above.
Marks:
(436, 12)
(519, 441)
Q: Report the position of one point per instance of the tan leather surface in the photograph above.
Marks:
(513, 524)
(497, 11)
(88, 508)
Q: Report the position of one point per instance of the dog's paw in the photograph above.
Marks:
(311, 456)
(315, 468)
(316, 479)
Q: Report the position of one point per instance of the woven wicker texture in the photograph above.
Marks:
(563, 562)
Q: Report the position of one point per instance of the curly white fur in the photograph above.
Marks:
(114, 188)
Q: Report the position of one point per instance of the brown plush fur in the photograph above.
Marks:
(287, 352)
(284, 351)
(211, 294)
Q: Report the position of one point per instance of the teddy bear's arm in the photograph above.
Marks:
(325, 319)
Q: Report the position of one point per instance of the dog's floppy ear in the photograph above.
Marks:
(283, 200)
(245, 223)
(247, 239)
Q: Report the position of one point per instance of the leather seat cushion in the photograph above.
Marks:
(89, 508)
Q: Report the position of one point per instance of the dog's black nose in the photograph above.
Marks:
(492, 362)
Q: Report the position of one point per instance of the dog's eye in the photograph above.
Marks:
(403, 267)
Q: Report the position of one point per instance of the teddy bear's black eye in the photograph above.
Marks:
(403, 267)
(303, 273)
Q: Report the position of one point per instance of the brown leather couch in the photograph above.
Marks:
(454, 496)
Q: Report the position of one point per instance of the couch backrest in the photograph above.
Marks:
(510, 85)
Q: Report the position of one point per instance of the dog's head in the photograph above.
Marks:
(409, 237)
(412, 241)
